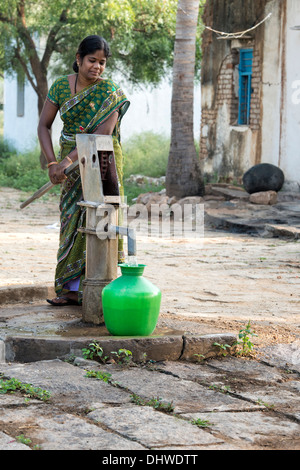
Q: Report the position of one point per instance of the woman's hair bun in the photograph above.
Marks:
(75, 66)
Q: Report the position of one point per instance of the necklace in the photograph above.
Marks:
(76, 82)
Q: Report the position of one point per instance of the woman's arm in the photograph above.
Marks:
(56, 170)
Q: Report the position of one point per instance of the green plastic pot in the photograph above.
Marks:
(131, 303)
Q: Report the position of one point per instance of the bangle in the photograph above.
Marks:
(70, 160)
(52, 163)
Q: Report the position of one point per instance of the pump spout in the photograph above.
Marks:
(127, 232)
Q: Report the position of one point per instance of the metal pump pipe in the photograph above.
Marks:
(127, 232)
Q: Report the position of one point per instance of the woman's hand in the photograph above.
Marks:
(56, 172)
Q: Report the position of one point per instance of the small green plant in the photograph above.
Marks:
(223, 347)
(11, 385)
(155, 403)
(23, 439)
(201, 423)
(123, 357)
(267, 405)
(199, 357)
(244, 346)
(94, 352)
(220, 388)
(99, 375)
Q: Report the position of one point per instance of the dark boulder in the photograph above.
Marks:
(263, 177)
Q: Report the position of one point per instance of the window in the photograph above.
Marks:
(245, 79)
(20, 95)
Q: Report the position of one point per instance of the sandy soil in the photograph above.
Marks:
(211, 284)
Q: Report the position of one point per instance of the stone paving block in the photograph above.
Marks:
(63, 431)
(9, 443)
(286, 356)
(11, 294)
(276, 398)
(20, 348)
(196, 372)
(247, 368)
(259, 383)
(156, 348)
(2, 351)
(184, 394)
(251, 428)
(152, 428)
(66, 383)
(196, 347)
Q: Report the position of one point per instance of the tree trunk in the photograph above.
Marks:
(42, 85)
(37, 72)
(183, 176)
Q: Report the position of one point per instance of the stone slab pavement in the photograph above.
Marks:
(155, 408)
(173, 403)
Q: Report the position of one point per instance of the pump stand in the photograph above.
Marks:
(102, 202)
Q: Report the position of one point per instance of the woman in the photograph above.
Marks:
(87, 104)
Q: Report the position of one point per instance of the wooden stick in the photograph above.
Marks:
(44, 189)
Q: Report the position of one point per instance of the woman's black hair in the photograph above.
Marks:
(89, 45)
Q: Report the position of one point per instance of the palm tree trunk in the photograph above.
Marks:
(183, 176)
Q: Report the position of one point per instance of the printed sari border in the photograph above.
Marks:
(70, 103)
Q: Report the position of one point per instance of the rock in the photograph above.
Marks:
(144, 198)
(156, 199)
(193, 200)
(172, 200)
(267, 198)
(263, 177)
(229, 193)
(197, 347)
(188, 205)
(141, 180)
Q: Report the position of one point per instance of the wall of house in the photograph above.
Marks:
(227, 149)
(289, 150)
(272, 136)
(20, 130)
(150, 110)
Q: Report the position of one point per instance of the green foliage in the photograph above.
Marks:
(155, 403)
(146, 154)
(94, 351)
(244, 345)
(123, 357)
(223, 347)
(23, 439)
(140, 33)
(23, 171)
(201, 423)
(99, 375)
(6, 149)
(11, 385)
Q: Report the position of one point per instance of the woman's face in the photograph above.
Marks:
(92, 65)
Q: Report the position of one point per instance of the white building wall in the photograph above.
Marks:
(271, 86)
(290, 134)
(150, 110)
(281, 91)
(20, 131)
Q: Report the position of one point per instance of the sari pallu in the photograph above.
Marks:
(81, 113)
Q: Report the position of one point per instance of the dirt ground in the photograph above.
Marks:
(212, 284)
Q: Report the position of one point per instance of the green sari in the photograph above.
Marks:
(81, 113)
